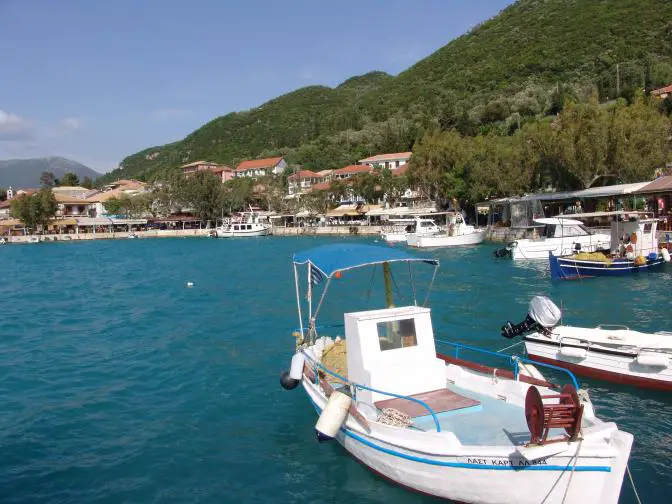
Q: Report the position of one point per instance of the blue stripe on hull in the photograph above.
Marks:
(564, 268)
(462, 465)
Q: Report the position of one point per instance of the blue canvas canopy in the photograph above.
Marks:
(344, 256)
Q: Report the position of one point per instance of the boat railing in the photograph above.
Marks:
(355, 386)
(514, 360)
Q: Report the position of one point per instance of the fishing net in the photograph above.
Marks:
(335, 359)
(591, 256)
(394, 417)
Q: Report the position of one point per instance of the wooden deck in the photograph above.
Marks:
(439, 400)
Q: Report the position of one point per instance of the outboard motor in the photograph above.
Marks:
(543, 315)
(504, 251)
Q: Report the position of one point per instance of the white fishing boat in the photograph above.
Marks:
(403, 228)
(456, 234)
(435, 423)
(608, 352)
(248, 225)
(559, 235)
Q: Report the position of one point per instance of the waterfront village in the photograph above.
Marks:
(84, 213)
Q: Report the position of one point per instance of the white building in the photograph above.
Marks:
(303, 181)
(261, 167)
(391, 161)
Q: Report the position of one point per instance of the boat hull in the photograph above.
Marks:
(394, 237)
(223, 233)
(566, 268)
(539, 249)
(608, 365)
(476, 476)
(444, 240)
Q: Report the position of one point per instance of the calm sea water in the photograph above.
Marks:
(119, 384)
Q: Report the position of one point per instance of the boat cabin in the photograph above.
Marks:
(393, 350)
(634, 235)
(554, 227)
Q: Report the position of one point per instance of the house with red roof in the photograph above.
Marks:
(302, 181)
(391, 161)
(350, 171)
(261, 167)
(663, 92)
(222, 171)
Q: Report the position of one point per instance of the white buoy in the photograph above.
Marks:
(666, 254)
(296, 369)
(190, 284)
(333, 416)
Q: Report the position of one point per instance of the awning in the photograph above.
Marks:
(662, 184)
(11, 223)
(128, 222)
(63, 222)
(329, 259)
(91, 221)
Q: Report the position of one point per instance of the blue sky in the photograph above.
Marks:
(98, 80)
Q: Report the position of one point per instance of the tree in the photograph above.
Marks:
(35, 210)
(47, 179)
(87, 182)
(69, 179)
(204, 194)
(3, 194)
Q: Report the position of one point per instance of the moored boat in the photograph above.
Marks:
(436, 423)
(608, 352)
(634, 249)
(248, 225)
(456, 234)
(560, 235)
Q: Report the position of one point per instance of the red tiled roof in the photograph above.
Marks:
(322, 186)
(305, 174)
(386, 157)
(220, 169)
(352, 169)
(252, 164)
(662, 184)
(663, 90)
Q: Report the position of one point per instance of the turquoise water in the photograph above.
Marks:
(120, 384)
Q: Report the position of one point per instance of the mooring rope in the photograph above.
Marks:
(576, 459)
(632, 482)
(510, 346)
(394, 418)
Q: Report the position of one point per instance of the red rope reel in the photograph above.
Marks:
(560, 411)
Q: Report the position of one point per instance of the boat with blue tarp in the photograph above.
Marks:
(431, 420)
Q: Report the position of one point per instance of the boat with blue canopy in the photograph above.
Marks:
(434, 421)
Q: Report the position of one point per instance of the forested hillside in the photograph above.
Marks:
(516, 68)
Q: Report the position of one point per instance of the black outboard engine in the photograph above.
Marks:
(542, 316)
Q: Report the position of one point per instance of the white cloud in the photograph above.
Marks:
(14, 128)
(70, 124)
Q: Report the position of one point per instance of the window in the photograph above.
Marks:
(235, 228)
(647, 227)
(396, 334)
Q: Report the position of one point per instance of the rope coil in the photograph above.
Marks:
(394, 418)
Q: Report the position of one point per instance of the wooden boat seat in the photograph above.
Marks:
(439, 400)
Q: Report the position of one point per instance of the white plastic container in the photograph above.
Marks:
(666, 255)
(296, 369)
(573, 352)
(333, 415)
(652, 359)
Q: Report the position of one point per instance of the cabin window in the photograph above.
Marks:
(574, 230)
(549, 230)
(249, 226)
(235, 228)
(647, 227)
(396, 334)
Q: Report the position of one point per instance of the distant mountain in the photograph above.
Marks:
(26, 172)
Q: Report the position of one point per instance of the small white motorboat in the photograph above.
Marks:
(436, 423)
(559, 235)
(248, 225)
(608, 352)
(457, 234)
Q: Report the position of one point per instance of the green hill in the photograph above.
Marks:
(503, 70)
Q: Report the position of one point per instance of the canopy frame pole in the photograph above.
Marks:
(310, 292)
(298, 299)
(410, 276)
(319, 304)
(431, 284)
